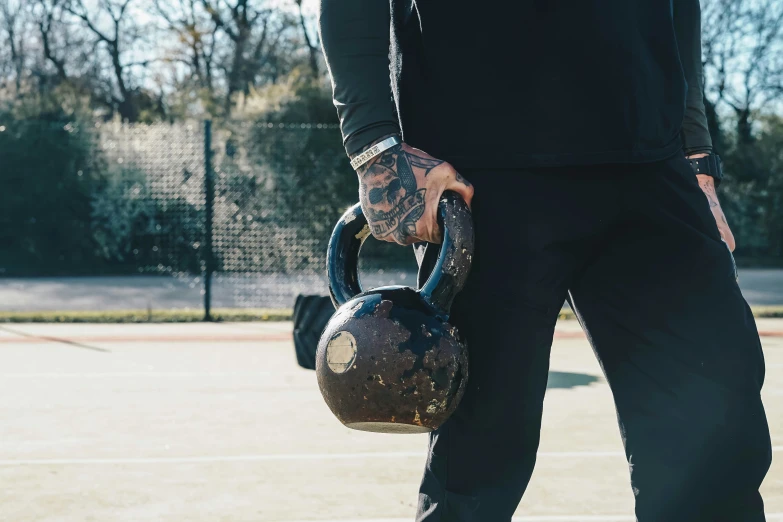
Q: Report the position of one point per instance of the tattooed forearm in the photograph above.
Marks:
(390, 194)
(708, 187)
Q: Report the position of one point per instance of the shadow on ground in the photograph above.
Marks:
(570, 380)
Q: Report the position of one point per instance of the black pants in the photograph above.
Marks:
(637, 252)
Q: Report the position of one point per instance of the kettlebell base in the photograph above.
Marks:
(388, 427)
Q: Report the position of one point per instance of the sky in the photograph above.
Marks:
(144, 52)
(141, 11)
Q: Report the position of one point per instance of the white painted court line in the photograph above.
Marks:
(284, 457)
(167, 375)
(533, 518)
(225, 458)
(543, 518)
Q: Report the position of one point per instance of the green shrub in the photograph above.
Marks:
(45, 202)
(753, 194)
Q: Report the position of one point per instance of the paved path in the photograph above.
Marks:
(142, 423)
(760, 286)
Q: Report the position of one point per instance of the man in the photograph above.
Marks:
(571, 119)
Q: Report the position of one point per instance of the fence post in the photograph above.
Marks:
(209, 194)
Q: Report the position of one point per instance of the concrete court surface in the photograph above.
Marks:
(215, 422)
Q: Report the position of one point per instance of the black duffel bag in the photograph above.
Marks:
(311, 313)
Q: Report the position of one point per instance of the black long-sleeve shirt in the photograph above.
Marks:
(687, 26)
(513, 84)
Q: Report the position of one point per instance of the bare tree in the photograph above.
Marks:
(215, 51)
(196, 41)
(48, 17)
(313, 45)
(12, 18)
(743, 58)
(254, 33)
(118, 34)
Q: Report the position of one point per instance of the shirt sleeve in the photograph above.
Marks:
(355, 36)
(687, 27)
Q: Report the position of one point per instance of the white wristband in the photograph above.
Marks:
(375, 150)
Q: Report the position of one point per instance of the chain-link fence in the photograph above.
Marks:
(241, 210)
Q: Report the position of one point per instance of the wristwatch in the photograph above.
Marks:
(711, 165)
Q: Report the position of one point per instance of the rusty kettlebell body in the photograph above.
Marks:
(388, 360)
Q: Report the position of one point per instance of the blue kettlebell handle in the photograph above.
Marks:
(448, 275)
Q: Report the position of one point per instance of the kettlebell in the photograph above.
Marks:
(388, 360)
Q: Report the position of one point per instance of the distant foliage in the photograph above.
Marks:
(134, 229)
(753, 193)
(80, 198)
(66, 210)
(283, 184)
(45, 202)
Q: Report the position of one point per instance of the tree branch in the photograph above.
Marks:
(86, 19)
(218, 20)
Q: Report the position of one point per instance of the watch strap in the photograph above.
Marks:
(709, 165)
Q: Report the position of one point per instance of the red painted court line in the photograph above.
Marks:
(243, 337)
(150, 338)
(569, 335)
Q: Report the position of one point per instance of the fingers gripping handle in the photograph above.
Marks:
(448, 275)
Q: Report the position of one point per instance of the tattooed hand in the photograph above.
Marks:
(707, 184)
(400, 190)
